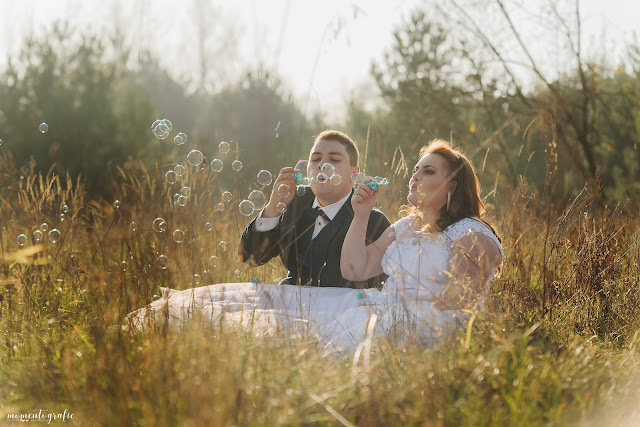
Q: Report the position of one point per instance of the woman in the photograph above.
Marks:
(439, 258)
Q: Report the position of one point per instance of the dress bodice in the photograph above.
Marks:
(417, 262)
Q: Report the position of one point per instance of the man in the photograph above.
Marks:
(308, 237)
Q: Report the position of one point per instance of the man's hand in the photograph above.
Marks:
(285, 177)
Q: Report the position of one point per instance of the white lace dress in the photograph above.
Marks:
(416, 262)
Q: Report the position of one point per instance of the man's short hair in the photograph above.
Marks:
(342, 138)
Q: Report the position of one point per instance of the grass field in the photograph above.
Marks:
(556, 346)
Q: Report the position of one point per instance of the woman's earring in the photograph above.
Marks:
(448, 200)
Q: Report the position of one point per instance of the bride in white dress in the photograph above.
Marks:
(440, 259)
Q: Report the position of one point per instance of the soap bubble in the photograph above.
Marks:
(182, 201)
(335, 179)
(195, 157)
(236, 165)
(178, 236)
(213, 261)
(54, 235)
(313, 180)
(162, 262)
(236, 273)
(216, 165)
(22, 240)
(283, 191)
(208, 226)
(358, 178)
(161, 128)
(186, 192)
(385, 181)
(0, 142)
(133, 226)
(322, 178)
(264, 177)
(159, 225)
(180, 138)
(328, 168)
(302, 166)
(223, 245)
(246, 208)
(171, 177)
(37, 235)
(224, 147)
(116, 204)
(197, 279)
(179, 170)
(65, 208)
(258, 199)
(220, 207)
(62, 217)
(305, 181)
(281, 207)
(43, 127)
(176, 197)
(300, 190)
(227, 196)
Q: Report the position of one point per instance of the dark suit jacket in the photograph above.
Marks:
(257, 248)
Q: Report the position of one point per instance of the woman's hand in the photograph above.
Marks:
(363, 200)
(285, 177)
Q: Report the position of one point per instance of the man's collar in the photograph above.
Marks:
(332, 209)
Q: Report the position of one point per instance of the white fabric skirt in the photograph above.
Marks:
(337, 317)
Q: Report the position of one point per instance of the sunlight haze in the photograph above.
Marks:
(322, 50)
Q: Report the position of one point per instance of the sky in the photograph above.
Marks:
(322, 50)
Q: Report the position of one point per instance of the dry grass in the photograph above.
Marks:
(558, 344)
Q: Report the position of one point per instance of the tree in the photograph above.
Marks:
(416, 80)
(96, 115)
(567, 104)
(466, 69)
(430, 89)
(256, 112)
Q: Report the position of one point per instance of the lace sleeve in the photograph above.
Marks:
(401, 225)
(466, 226)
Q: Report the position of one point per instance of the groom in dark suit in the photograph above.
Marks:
(308, 237)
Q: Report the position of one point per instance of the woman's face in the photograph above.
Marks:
(429, 186)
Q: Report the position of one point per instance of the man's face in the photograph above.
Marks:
(333, 152)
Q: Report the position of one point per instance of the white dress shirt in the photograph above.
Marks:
(266, 224)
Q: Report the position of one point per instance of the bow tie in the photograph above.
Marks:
(316, 212)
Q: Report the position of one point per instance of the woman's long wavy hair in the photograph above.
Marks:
(465, 200)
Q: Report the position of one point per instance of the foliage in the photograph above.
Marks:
(618, 123)
(95, 106)
(431, 88)
(446, 74)
(257, 112)
(417, 81)
(556, 345)
(89, 101)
